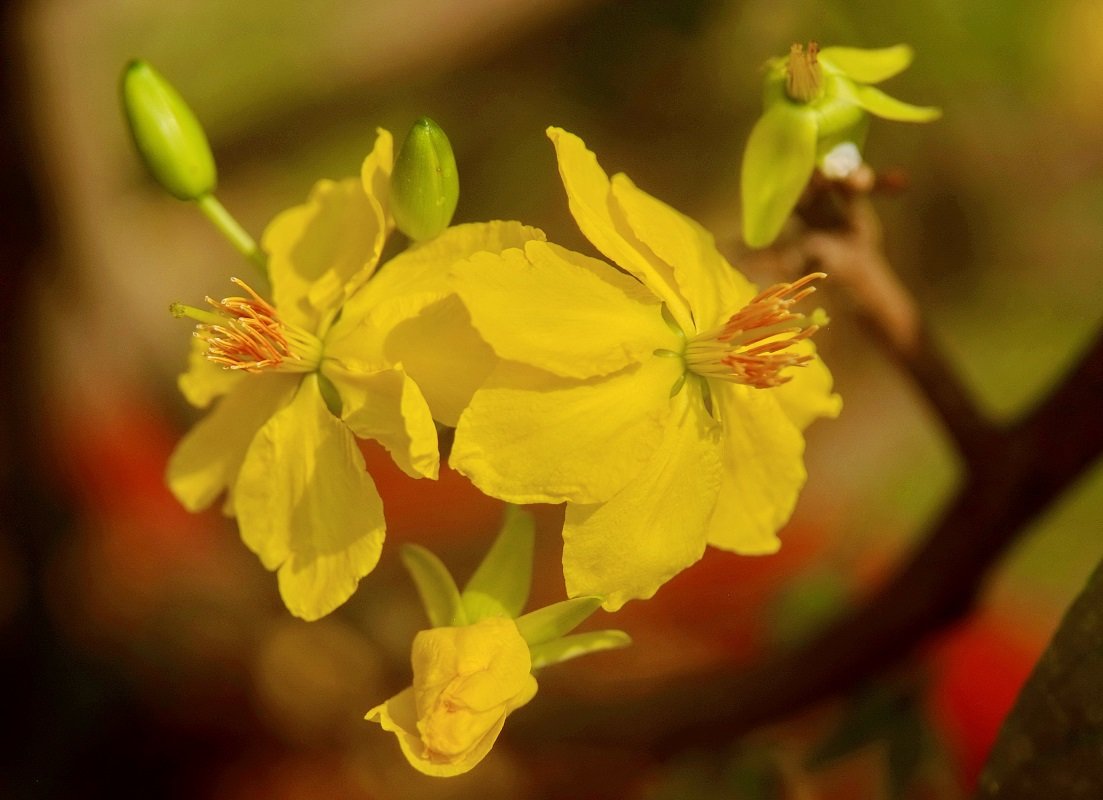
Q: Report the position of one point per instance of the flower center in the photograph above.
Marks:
(753, 346)
(247, 333)
(803, 75)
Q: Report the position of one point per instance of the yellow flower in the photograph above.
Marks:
(664, 406)
(326, 361)
(467, 680)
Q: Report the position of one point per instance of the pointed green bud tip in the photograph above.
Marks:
(168, 136)
(425, 186)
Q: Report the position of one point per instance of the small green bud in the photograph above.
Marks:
(168, 136)
(817, 104)
(425, 186)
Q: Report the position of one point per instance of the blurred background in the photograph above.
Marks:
(146, 650)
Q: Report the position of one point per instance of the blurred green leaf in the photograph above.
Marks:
(867, 718)
(501, 584)
(435, 586)
(888, 714)
(805, 606)
(753, 774)
(907, 747)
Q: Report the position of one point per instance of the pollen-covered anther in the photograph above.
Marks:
(803, 74)
(753, 346)
(250, 336)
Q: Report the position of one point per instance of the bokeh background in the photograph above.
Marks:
(146, 650)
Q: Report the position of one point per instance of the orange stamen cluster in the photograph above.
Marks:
(254, 338)
(752, 347)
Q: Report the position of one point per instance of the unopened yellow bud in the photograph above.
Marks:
(168, 136)
(425, 186)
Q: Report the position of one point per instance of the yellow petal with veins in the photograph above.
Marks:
(655, 526)
(589, 194)
(533, 437)
(763, 470)
(207, 460)
(560, 311)
(388, 406)
(306, 505)
(711, 286)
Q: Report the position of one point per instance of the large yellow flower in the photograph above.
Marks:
(665, 406)
(342, 351)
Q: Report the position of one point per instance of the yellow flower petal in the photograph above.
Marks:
(388, 407)
(404, 314)
(444, 355)
(375, 180)
(563, 312)
(532, 437)
(399, 716)
(419, 276)
(655, 527)
(588, 192)
(762, 455)
(808, 396)
(207, 460)
(707, 281)
(306, 505)
(316, 248)
(204, 380)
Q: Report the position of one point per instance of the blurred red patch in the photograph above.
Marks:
(979, 668)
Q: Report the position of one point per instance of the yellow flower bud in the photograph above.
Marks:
(467, 680)
(425, 186)
(168, 136)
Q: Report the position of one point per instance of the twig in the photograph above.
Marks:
(850, 251)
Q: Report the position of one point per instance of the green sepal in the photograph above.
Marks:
(778, 161)
(838, 112)
(435, 586)
(881, 105)
(500, 586)
(551, 622)
(425, 185)
(580, 644)
(167, 134)
(867, 66)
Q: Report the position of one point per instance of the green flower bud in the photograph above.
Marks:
(425, 186)
(168, 136)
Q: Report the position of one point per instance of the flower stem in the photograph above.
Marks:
(229, 227)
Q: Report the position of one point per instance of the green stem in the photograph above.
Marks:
(230, 228)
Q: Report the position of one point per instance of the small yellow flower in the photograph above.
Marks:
(335, 355)
(467, 680)
(665, 406)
